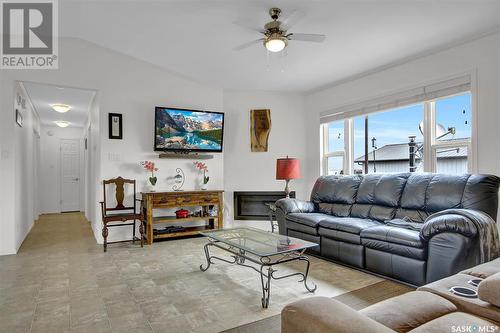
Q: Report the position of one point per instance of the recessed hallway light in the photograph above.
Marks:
(62, 124)
(61, 108)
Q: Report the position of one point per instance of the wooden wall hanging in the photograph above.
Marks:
(260, 127)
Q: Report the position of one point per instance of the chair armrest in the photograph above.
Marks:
(322, 314)
(288, 206)
(454, 223)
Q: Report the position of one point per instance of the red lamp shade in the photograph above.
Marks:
(287, 168)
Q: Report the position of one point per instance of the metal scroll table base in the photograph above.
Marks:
(265, 264)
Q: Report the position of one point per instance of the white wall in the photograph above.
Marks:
(25, 140)
(256, 171)
(50, 167)
(480, 57)
(124, 85)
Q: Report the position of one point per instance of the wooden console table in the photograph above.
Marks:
(181, 199)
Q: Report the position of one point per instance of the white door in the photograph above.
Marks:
(70, 175)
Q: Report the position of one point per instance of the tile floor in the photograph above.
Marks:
(61, 281)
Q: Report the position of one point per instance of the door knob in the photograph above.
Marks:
(76, 179)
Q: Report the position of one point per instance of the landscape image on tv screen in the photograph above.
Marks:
(178, 129)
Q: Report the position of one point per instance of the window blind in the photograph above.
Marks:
(417, 95)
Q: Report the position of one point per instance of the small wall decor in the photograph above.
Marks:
(178, 180)
(19, 118)
(115, 126)
(260, 127)
(202, 167)
(151, 168)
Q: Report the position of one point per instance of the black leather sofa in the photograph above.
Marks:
(349, 216)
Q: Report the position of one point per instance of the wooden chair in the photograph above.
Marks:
(120, 213)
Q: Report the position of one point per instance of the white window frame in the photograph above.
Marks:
(325, 151)
(431, 145)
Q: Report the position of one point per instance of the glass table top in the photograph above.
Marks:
(258, 242)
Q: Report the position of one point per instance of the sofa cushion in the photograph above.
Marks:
(366, 191)
(290, 225)
(323, 314)
(475, 306)
(339, 235)
(351, 225)
(489, 289)
(415, 215)
(389, 189)
(444, 192)
(393, 248)
(308, 219)
(395, 235)
(481, 193)
(336, 189)
(408, 311)
(484, 270)
(463, 322)
(413, 196)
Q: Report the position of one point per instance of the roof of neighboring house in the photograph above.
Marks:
(400, 152)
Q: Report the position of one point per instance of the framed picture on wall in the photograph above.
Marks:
(115, 126)
(19, 118)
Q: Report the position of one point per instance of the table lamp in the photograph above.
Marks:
(287, 169)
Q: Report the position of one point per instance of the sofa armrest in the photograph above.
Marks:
(288, 206)
(326, 315)
(451, 223)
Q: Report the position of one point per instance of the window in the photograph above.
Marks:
(452, 134)
(333, 148)
(397, 140)
(388, 141)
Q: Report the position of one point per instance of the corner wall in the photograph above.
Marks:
(256, 171)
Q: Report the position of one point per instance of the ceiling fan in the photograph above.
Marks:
(276, 35)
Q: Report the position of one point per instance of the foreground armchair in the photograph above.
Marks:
(432, 308)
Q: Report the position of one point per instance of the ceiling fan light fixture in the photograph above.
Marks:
(62, 124)
(61, 108)
(275, 44)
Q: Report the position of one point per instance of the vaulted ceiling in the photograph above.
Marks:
(196, 38)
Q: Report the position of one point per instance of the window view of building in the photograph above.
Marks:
(388, 138)
(395, 139)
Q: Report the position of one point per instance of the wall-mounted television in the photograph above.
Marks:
(188, 130)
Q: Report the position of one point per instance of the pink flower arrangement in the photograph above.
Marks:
(150, 167)
(202, 167)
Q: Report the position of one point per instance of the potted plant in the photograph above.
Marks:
(203, 167)
(150, 167)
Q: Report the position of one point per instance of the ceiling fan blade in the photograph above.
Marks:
(316, 38)
(292, 19)
(248, 26)
(248, 44)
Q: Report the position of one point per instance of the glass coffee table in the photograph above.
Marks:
(264, 249)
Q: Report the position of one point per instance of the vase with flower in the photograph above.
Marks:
(151, 168)
(202, 167)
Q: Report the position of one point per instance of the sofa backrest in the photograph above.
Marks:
(415, 195)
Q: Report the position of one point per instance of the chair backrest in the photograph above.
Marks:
(119, 183)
